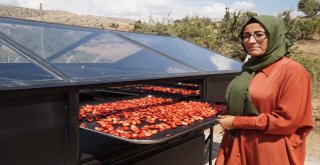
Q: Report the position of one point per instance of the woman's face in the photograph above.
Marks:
(255, 39)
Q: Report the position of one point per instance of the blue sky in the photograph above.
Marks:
(159, 9)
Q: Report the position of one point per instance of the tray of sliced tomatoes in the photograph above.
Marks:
(148, 119)
(156, 89)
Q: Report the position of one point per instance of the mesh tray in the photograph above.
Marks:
(160, 136)
(138, 90)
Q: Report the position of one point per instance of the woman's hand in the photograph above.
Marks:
(226, 121)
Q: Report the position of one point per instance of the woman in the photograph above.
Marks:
(269, 103)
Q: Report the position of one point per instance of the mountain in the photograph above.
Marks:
(63, 17)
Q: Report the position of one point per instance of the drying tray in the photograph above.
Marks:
(160, 137)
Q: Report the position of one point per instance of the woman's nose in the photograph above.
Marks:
(252, 39)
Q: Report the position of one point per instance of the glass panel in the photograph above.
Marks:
(43, 41)
(187, 52)
(16, 69)
(108, 55)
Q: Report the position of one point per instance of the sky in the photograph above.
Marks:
(160, 9)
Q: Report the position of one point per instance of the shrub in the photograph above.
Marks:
(307, 27)
(312, 65)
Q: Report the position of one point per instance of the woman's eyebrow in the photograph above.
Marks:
(254, 31)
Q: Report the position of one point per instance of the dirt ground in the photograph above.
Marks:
(309, 47)
(313, 140)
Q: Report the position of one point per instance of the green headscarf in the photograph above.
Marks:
(237, 95)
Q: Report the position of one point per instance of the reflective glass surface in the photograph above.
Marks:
(108, 55)
(41, 40)
(40, 51)
(186, 52)
(15, 69)
(81, 53)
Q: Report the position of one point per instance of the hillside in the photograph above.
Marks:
(64, 17)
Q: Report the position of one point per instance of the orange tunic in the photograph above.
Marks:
(282, 95)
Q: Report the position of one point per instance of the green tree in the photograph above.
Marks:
(153, 26)
(293, 31)
(307, 27)
(201, 31)
(299, 28)
(310, 7)
(114, 26)
(195, 29)
(228, 31)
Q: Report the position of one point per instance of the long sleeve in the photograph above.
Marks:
(287, 105)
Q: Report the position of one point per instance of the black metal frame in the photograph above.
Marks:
(39, 122)
(209, 140)
(70, 110)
